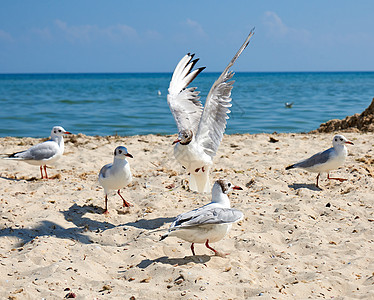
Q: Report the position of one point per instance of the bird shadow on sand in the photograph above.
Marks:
(20, 178)
(297, 186)
(75, 214)
(151, 224)
(44, 228)
(197, 259)
(48, 228)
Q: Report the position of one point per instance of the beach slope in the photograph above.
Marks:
(295, 241)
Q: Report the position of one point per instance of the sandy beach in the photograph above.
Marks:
(295, 241)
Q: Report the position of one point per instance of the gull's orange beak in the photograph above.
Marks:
(67, 132)
(237, 188)
(176, 141)
(349, 142)
(129, 155)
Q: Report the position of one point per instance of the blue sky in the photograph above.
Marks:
(151, 36)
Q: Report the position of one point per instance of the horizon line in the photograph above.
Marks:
(166, 72)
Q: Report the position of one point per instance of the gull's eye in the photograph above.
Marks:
(229, 184)
(336, 140)
(341, 139)
(119, 151)
(59, 130)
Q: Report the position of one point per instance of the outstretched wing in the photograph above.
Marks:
(213, 120)
(184, 102)
(206, 216)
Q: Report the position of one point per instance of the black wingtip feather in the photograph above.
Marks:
(290, 167)
(199, 70)
(14, 154)
(194, 62)
(163, 237)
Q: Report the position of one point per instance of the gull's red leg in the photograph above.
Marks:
(41, 171)
(193, 249)
(215, 251)
(45, 171)
(106, 212)
(340, 179)
(125, 203)
(207, 245)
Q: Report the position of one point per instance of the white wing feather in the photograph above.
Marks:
(184, 102)
(213, 120)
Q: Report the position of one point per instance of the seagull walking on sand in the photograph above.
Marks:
(46, 153)
(327, 160)
(200, 129)
(209, 223)
(116, 175)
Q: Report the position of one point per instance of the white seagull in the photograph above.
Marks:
(327, 160)
(200, 129)
(46, 153)
(116, 175)
(209, 223)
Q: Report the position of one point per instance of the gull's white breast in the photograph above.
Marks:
(191, 157)
(116, 178)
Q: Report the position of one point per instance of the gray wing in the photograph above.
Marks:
(104, 171)
(316, 159)
(184, 102)
(41, 151)
(213, 120)
(205, 216)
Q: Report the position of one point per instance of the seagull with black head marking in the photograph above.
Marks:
(209, 223)
(43, 154)
(327, 160)
(116, 175)
(200, 129)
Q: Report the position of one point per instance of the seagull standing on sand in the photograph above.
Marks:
(44, 153)
(200, 129)
(327, 160)
(116, 175)
(209, 223)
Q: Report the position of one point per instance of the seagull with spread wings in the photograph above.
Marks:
(200, 129)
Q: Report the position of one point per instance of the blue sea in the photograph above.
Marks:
(130, 104)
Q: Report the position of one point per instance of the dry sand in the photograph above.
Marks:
(295, 242)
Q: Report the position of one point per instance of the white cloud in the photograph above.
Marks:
(81, 33)
(88, 33)
(274, 23)
(117, 32)
(43, 33)
(276, 27)
(152, 34)
(196, 27)
(5, 36)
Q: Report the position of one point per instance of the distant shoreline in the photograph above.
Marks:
(170, 73)
(151, 135)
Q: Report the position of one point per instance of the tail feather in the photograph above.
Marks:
(164, 236)
(199, 182)
(290, 167)
(13, 155)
